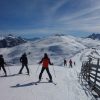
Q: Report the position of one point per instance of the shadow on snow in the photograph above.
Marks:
(27, 84)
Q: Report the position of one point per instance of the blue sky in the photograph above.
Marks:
(45, 17)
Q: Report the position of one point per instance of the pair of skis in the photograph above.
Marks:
(36, 83)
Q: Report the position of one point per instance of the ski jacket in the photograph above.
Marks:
(24, 60)
(65, 61)
(45, 62)
(70, 61)
(2, 61)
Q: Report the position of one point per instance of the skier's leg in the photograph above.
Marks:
(0, 67)
(40, 75)
(21, 69)
(71, 65)
(27, 68)
(47, 69)
(4, 70)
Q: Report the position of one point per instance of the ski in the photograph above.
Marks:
(51, 82)
(36, 83)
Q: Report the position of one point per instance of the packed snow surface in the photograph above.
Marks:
(22, 87)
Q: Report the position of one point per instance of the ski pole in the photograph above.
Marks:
(54, 71)
(9, 69)
(37, 69)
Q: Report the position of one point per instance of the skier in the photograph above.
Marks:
(2, 62)
(74, 63)
(24, 62)
(65, 62)
(70, 63)
(45, 62)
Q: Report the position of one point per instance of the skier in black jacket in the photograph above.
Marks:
(70, 63)
(65, 62)
(24, 62)
(2, 62)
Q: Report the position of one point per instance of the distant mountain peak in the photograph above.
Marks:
(10, 35)
(10, 41)
(94, 36)
(59, 34)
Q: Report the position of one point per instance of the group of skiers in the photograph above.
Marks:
(45, 61)
(70, 63)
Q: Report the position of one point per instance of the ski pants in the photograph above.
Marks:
(70, 65)
(42, 70)
(2, 66)
(23, 67)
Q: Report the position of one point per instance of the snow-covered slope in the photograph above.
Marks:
(89, 43)
(22, 87)
(58, 48)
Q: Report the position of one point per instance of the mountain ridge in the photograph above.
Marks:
(94, 36)
(10, 41)
(56, 46)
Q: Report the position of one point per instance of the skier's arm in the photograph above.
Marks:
(4, 61)
(50, 62)
(21, 59)
(41, 61)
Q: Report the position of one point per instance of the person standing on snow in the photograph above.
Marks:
(24, 62)
(74, 63)
(70, 63)
(2, 62)
(65, 62)
(45, 62)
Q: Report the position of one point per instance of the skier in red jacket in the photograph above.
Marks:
(45, 62)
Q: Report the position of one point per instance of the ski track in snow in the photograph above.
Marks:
(22, 87)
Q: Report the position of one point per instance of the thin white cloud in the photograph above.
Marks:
(58, 5)
(84, 20)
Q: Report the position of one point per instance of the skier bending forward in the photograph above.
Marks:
(45, 62)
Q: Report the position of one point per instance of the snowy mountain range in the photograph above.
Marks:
(10, 41)
(56, 46)
(33, 39)
(94, 36)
